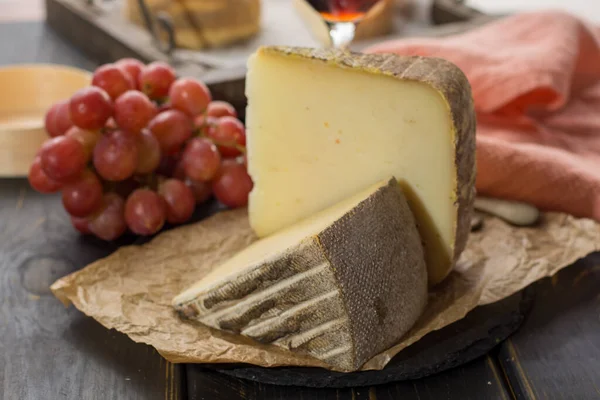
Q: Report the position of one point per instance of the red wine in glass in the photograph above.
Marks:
(341, 17)
(342, 10)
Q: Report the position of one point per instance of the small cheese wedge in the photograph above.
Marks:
(323, 123)
(378, 21)
(342, 285)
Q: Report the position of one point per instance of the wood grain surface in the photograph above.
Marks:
(50, 352)
(46, 350)
(556, 353)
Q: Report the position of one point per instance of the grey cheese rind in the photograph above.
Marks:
(342, 295)
(453, 86)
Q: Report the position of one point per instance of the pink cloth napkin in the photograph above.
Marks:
(536, 85)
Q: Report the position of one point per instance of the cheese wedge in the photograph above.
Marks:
(378, 21)
(324, 123)
(342, 285)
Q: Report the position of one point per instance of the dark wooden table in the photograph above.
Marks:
(49, 352)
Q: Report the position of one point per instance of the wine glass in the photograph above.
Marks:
(342, 17)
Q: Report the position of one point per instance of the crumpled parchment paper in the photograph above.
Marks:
(131, 290)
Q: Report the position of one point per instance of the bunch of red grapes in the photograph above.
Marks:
(141, 147)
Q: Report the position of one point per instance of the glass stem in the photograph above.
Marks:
(341, 33)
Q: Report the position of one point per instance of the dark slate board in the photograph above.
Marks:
(476, 380)
(473, 336)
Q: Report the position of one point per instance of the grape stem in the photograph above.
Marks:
(151, 181)
(199, 132)
(241, 149)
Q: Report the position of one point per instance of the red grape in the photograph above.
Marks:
(232, 185)
(155, 79)
(190, 96)
(133, 111)
(145, 212)
(126, 187)
(179, 200)
(87, 138)
(179, 171)
(83, 196)
(82, 224)
(132, 66)
(202, 190)
(109, 222)
(229, 135)
(39, 180)
(204, 122)
(220, 109)
(167, 165)
(62, 157)
(114, 80)
(110, 124)
(90, 107)
(149, 153)
(171, 128)
(201, 159)
(116, 155)
(164, 107)
(57, 119)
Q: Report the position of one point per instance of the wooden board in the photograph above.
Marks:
(46, 350)
(73, 356)
(49, 352)
(114, 37)
(556, 354)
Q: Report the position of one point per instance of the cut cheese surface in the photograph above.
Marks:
(324, 123)
(342, 285)
(273, 245)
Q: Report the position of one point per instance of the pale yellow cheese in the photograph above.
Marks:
(341, 285)
(322, 124)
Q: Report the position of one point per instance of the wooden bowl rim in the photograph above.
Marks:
(44, 66)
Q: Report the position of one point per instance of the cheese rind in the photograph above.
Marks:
(342, 293)
(323, 122)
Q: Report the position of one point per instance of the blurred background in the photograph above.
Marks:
(222, 33)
